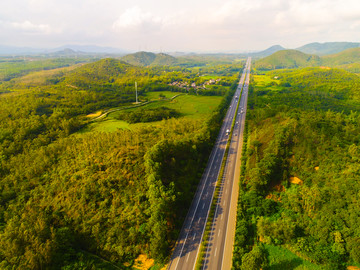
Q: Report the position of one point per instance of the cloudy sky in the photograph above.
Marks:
(178, 25)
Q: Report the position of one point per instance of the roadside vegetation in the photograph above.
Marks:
(299, 186)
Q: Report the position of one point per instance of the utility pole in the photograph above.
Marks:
(136, 92)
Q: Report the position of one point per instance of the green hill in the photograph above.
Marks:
(327, 47)
(101, 73)
(163, 59)
(139, 58)
(348, 56)
(102, 69)
(149, 59)
(288, 59)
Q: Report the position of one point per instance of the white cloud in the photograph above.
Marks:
(28, 27)
(135, 18)
(180, 24)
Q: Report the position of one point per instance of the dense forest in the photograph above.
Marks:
(300, 171)
(98, 200)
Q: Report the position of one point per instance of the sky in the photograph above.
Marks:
(178, 25)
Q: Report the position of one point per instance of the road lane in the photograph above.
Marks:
(187, 247)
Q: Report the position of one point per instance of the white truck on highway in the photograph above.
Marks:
(227, 131)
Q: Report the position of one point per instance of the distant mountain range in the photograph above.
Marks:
(327, 47)
(76, 49)
(91, 49)
(316, 48)
(311, 48)
(10, 50)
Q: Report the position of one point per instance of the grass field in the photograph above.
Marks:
(190, 106)
(156, 95)
(266, 82)
(281, 258)
(109, 125)
(209, 77)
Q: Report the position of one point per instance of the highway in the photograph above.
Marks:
(220, 245)
(187, 246)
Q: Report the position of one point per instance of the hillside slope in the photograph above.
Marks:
(348, 56)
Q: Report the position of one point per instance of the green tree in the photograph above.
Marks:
(256, 259)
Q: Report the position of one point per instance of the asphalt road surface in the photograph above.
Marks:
(220, 245)
(187, 247)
